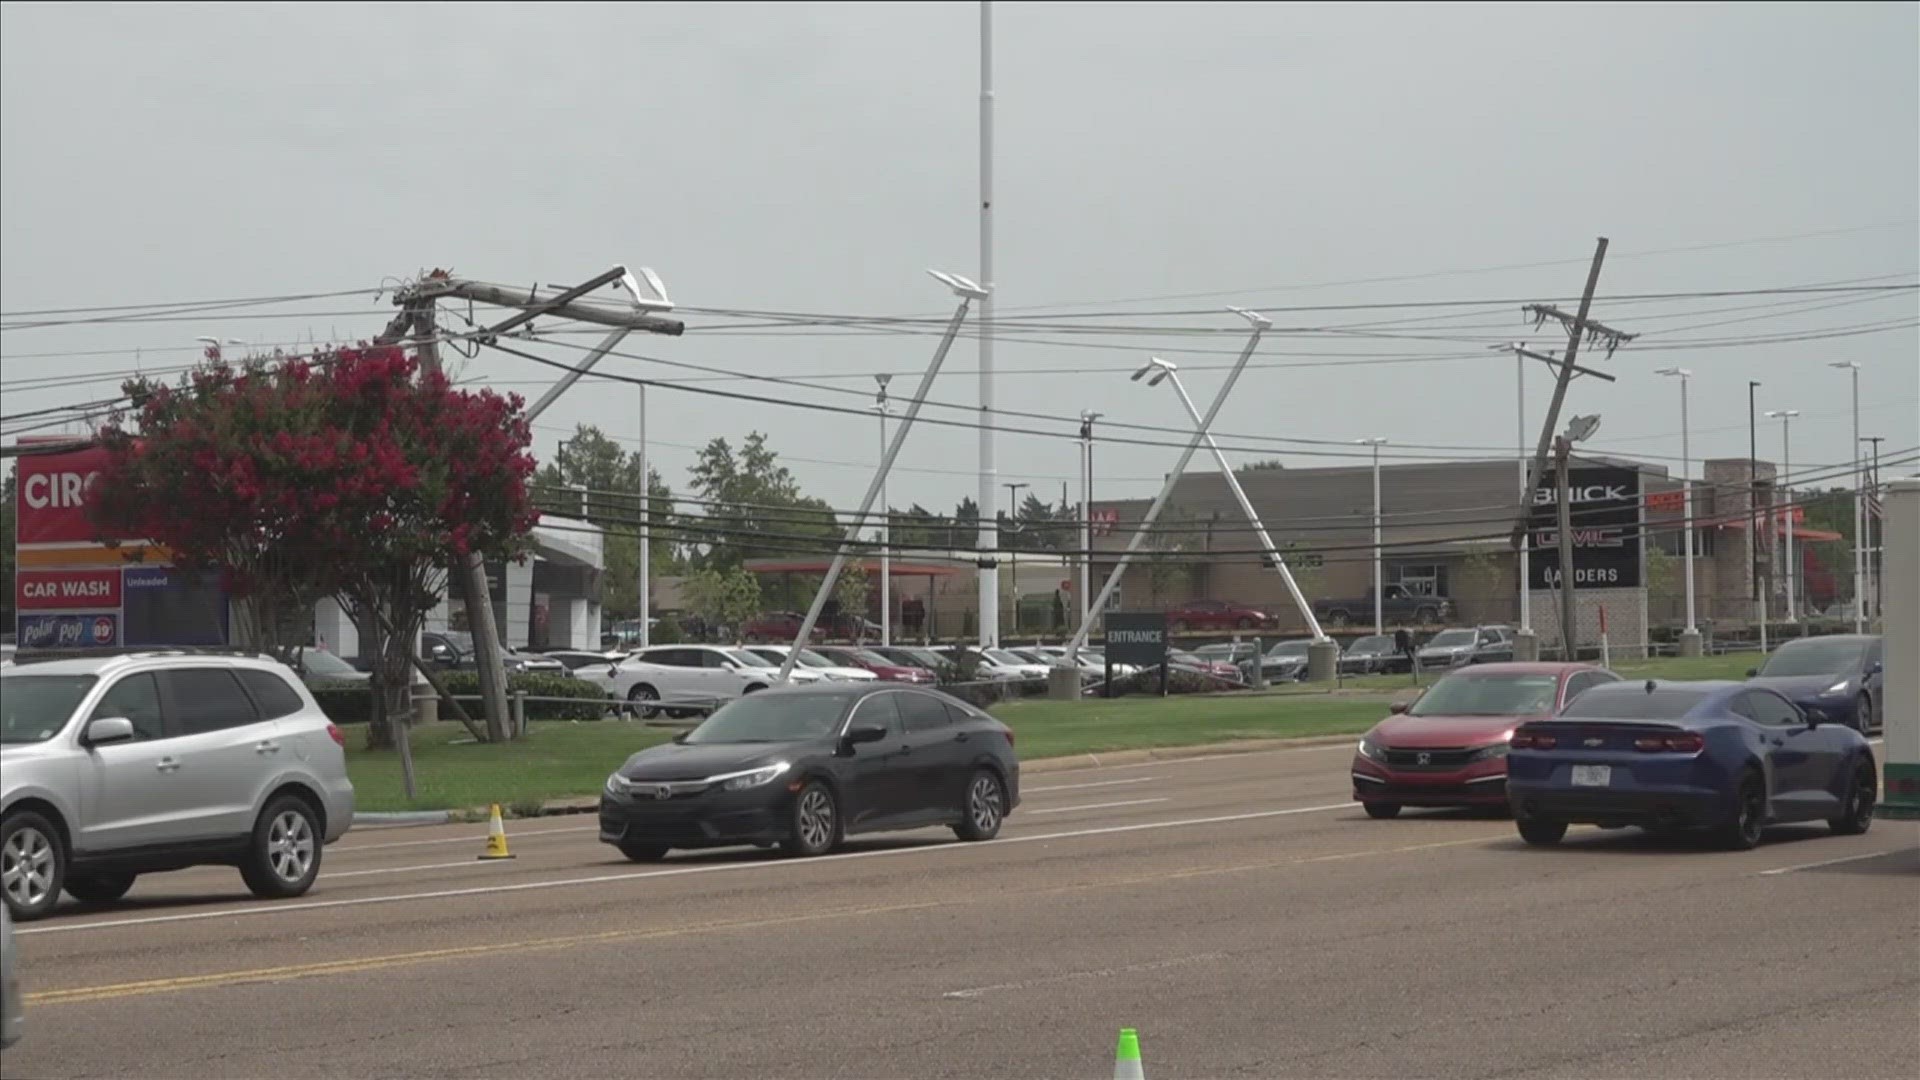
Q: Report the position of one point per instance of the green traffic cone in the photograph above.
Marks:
(1126, 1057)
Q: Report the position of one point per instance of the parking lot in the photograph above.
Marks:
(1238, 910)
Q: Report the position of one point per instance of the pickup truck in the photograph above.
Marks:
(1397, 606)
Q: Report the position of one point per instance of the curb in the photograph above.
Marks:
(1039, 766)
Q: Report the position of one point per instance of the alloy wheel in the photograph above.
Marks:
(816, 819)
(26, 867)
(983, 803)
(290, 846)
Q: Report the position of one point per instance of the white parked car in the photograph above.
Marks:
(812, 661)
(700, 676)
(994, 665)
(1056, 656)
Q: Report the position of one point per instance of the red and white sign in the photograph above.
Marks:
(51, 496)
(67, 590)
(1103, 521)
(1672, 502)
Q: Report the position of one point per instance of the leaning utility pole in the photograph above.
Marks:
(1579, 327)
(568, 303)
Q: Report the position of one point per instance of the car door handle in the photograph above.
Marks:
(267, 747)
(167, 764)
(1778, 742)
(962, 737)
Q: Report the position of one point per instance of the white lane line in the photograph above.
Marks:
(1097, 806)
(1822, 862)
(681, 871)
(1076, 976)
(1345, 746)
(1024, 790)
(407, 869)
(474, 838)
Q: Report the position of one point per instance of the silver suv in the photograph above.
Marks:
(116, 766)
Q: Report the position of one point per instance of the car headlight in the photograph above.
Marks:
(1497, 750)
(1837, 688)
(617, 785)
(741, 781)
(1372, 750)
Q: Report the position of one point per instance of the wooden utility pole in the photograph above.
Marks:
(1564, 502)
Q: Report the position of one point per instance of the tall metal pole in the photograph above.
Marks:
(1526, 545)
(1086, 522)
(1859, 512)
(1753, 518)
(968, 293)
(1875, 543)
(1013, 551)
(886, 530)
(1569, 642)
(1785, 417)
(1686, 488)
(646, 530)
(989, 573)
(1379, 620)
(1166, 492)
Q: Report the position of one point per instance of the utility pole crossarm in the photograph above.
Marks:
(1590, 329)
(1553, 362)
(565, 305)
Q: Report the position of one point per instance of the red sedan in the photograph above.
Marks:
(1450, 747)
(887, 670)
(1218, 615)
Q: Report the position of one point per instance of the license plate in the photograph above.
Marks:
(1592, 775)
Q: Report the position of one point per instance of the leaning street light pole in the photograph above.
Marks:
(968, 292)
(1690, 637)
(1859, 508)
(1785, 416)
(1260, 324)
(1086, 524)
(1379, 619)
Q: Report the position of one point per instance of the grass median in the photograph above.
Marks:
(560, 760)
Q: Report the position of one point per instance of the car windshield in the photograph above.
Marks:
(1814, 656)
(325, 665)
(1002, 656)
(1181, 657)
(1290, 648)
(1376, 643)
(1634, 703)
(863, 656)
(746, 658)
(809, 658)
(772, 717)
(1447, 639)
(1488, 695)
(33, 708)
(460, 640)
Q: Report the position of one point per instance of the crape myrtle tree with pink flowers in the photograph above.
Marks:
(353, 473)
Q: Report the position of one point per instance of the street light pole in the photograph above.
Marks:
(1086, 521)
(1859, 508)
(1013, 550)
(646, 531)
(1690, 637)
(1379, 621)
(1875, 557)
(1756, 593)
(886, 526)
(1785, 416)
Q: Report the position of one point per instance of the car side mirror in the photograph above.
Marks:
(1873, 668)
(109, 729)
(679, 738)
(1398, 708)
(865, 733)
(1753, 672)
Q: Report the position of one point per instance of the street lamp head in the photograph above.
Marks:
(1581, 428)
(1090, 417)
(1684, 373)
(1852, 364)
(1159, 369)
(1259, 321)
(648, 291)
(1782, 414)
(1376, 441)
(883, 380)
(962, 287)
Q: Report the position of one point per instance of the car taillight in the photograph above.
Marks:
(1532, 740)
(338, 736)
(1687, 742)
(1009, 734)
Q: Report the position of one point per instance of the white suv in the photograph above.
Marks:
(696, 676)
(121, 765)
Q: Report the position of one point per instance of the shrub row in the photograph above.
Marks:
(352, 702)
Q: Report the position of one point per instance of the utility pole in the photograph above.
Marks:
(1859, 506)
(1578, 326)
(1563, 502)
(886, 525)
(1014, 529)
(1379, 620)
(646, 531)
(1690, 643)
(1086, 525)
(1785, 416)
(647, 295)
(1875, 556)
(1757, 595)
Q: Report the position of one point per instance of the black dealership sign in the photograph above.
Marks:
(1605, 510)
(1138, 638)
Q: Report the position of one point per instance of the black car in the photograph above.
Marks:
(1375, 654)
(1840, 678)
(805, 767)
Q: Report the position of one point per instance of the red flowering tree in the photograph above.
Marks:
(355, 474)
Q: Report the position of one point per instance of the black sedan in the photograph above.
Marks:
(1837, 678)
(805, 767)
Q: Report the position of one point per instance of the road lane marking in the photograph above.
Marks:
(1832, 862)
(214, 980)
(1077, 787)
(469, 839)
(1077, 976)
(1097, 806)
(405, 869)
(680, 871)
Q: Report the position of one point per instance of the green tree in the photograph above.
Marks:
(752, 507)
(724, 598)
(851, 590)
(592, 476)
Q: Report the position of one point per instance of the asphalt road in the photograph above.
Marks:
(1238, 911)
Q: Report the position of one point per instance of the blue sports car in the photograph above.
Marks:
(1838, 677)
(1670, 756)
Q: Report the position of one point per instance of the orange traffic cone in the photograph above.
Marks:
(496, 837)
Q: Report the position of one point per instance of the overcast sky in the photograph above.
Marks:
(817, 157)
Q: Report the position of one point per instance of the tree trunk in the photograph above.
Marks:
(373, 644)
